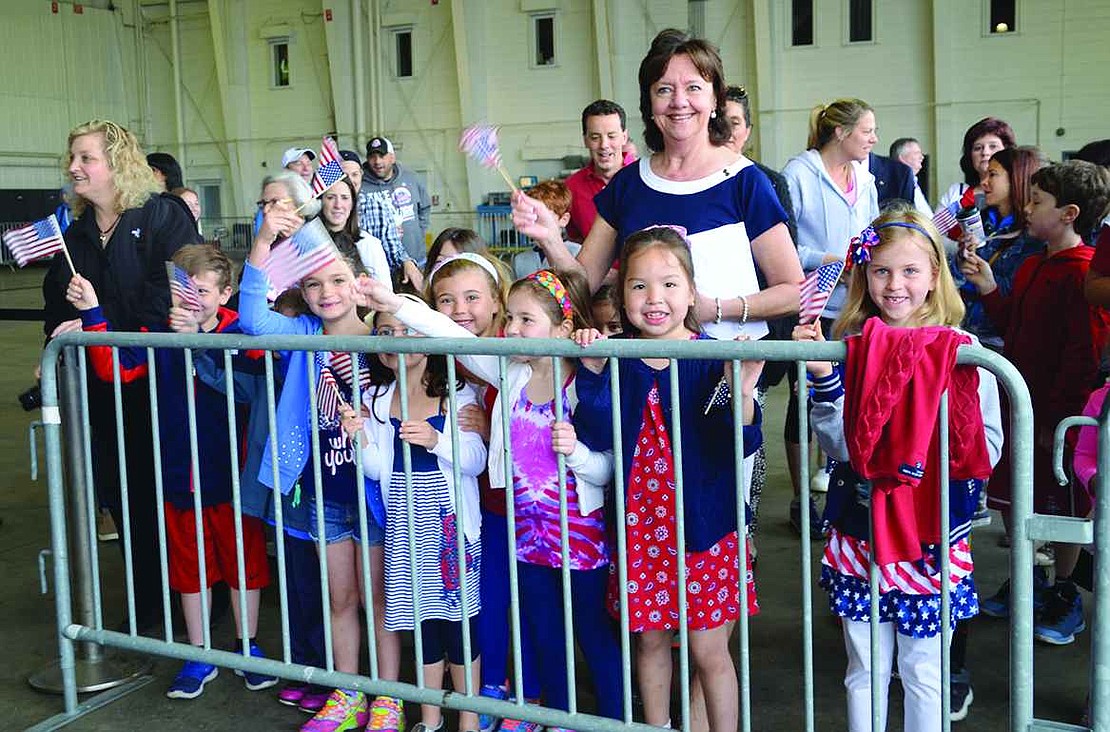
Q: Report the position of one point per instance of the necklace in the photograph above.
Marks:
(106, 233)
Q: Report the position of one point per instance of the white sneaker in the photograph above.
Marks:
(819, 483)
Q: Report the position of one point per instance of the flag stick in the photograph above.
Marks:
(69, 261)
(505, 175)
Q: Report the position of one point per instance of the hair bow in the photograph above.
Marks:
(859, 249)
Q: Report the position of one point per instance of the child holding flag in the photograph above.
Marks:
(900, 317)
(327, 284)
(201, 280)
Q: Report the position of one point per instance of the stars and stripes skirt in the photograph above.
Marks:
(909, 592)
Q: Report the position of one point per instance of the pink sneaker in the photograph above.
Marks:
(314, 699)
(343, 712)
(293, 694)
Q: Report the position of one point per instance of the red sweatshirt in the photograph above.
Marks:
(1053, 336)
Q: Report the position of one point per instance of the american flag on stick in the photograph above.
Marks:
(815, 291)
(328, 400)
(182, 287)
(330, 170)
(294, 258)
(35, 241)
(480, 143)
(945, 218)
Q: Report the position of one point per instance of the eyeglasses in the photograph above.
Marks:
(388, 332)
(266, 203)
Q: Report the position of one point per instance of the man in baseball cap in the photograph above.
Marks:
(299, 160)
(406, 191)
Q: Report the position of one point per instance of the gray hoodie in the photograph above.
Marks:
(826, 220)
(411, 200)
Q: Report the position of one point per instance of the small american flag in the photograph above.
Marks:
(328, 400)
(330, 170)
(480, 143)
(298, 256)
(815, 291)
(341, 367)
(35, 241)
(182, 287)
(945, 218)
(721, 396)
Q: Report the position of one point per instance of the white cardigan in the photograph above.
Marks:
(377, 455)
(592, 470)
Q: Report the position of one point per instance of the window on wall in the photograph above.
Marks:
(279, 63)
(801, 22)
(402, 52)
(1002, 16)
(861, 21)
(543, 40)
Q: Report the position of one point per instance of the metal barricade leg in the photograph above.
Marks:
(95, 669)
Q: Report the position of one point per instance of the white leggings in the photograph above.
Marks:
(918, 665)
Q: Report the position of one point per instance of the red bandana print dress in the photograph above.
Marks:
(712, 575)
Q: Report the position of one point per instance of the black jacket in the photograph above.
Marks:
(129, 273)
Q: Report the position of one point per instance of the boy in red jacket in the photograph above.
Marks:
(1055, 338)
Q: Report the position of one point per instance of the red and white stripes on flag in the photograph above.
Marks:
(815, 291)
(328, 400)
(298, 256)
(945, 218)
(183, 287)
(35, 240)
(330, 170)
(480, 143)
(342, 367)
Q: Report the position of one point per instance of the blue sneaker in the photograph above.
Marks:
(190, 682)
(488, 722)
(1062, 616)
(255, 681)
(998, 604)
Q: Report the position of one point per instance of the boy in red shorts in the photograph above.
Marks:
(210, 272)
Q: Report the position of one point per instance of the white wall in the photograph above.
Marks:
(471, 63)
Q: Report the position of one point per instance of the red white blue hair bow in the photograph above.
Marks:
(859, 249)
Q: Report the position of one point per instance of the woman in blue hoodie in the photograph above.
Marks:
(834, 197)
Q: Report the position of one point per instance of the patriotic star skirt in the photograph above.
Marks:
(909, 592)
(712, 575)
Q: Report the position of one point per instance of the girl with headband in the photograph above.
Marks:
(655, 288)
(545, 304)
(471, 287)
(900, 321)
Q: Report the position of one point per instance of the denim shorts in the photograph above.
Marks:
(341, 523)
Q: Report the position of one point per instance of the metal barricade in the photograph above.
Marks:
(71, 631)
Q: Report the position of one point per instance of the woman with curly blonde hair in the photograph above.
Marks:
(122, 235)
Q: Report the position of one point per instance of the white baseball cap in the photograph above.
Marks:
(294, 153)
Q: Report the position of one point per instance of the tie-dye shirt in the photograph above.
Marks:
(536, 494)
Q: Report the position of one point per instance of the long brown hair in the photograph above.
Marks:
(1020, 163)
(578, 292)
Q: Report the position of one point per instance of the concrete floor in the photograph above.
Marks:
(29, 642)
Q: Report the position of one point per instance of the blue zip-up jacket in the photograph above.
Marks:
(709, 462)
(294, 427)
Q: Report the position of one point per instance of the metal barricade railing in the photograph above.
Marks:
(71, 630)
